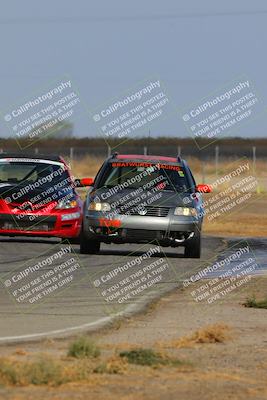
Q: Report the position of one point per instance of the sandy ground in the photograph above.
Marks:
(235, 369)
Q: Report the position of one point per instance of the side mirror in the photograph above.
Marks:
(204, 188)
(84, 182)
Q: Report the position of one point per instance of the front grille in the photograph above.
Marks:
(151, 211)
(25, 223)
(142, 234)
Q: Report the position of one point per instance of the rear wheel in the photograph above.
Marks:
(88, 246)
(193, 247)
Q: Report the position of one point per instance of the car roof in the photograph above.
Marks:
(143, 157)
(38, 156)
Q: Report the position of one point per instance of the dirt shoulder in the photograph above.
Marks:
(234, 368)
(250, 220)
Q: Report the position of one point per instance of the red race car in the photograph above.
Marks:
(38, 197)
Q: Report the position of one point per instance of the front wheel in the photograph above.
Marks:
(88, 246)
(193, 247)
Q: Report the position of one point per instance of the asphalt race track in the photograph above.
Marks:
(48, 289)
(81, 304)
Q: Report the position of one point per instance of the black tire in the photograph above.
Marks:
(193, 247)
(88, 246)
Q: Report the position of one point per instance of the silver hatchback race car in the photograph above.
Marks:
(144, 199)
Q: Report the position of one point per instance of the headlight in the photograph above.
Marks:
(186, 211)
(65, 204)
(99, 207)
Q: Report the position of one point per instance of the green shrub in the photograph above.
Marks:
(148, 357)
(83, 347)
(252, 302)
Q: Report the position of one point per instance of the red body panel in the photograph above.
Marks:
(41, 220)
(64, 229)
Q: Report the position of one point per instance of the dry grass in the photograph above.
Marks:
(20, 352)
(250, 220)
(52, 371)
(225, 166)
(238, 225)
(216, 333)
(86, 167)
(113, 365)
(42, 371)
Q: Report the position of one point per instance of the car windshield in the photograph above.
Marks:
(18, 172)
(134, 175)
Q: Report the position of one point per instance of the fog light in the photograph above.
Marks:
(186, 211)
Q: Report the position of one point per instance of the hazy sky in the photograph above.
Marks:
(106, 47)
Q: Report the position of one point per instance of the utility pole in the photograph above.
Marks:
(216, 160)
(71, 153)
(254, 159)
(148, 143)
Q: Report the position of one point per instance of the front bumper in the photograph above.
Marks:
(52, 225)
(140, 229)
